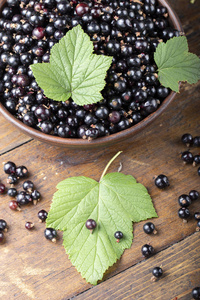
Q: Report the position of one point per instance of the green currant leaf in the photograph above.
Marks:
(176, 64)
(114, 203)
(73, 70)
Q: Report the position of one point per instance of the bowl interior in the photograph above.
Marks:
(101, 141)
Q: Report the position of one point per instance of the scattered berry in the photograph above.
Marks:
(29, 225)
(9, 167)
(50, 234)
(42, 215)
(187, 139)
(198, 171)
(91, 225)
(157, 273)
(184, 200)
(21, 172)
(149, 228)
(35, 195)
(196, 160)
(12, 192)
(12, 179)
(196, 293)
(194, 195)
(197, 216)
(2, 188)
(118, 235)
(198, 225)
(184, 214)
(14, 205)
(1, 237)
(28, 186)
(3, 225)
(162, 181)
(187, 157)
(147, 250)
(196, 141)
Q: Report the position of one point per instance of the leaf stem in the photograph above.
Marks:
(108, 164)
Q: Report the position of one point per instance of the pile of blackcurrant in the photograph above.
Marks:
(29, 194)
(129, 31)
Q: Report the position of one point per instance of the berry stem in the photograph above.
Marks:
(108, 164)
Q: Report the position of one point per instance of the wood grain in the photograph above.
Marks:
(42, 268)
(10, 136)
(181, 273)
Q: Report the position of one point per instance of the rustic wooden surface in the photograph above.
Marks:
(180, 264)
(33, 268)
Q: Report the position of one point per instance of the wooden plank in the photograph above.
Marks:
(10, 136)
(181, 273)
(33, 267)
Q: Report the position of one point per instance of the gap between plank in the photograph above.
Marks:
(16, 147)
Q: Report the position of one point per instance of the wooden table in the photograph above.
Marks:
(33, 268)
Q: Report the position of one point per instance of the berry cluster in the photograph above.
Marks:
(128, 31)
(23, 197)
(185, 201)
(3, 228)
(187, 156)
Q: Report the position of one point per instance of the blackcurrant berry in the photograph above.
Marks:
(118, 235)
(14, 205)
(21, 172)
(91, 225)
(157, 273)
(196, 141)
(196, 293)
(38, 33)
(29, 225)
(162, 181)
(12, 192)
(1, 237)
(50, 234)
(82, 8)
(187, 157)
(198, 171)
(9, 168)
(147, 250)
(3, 225)
(194, 195)
(12, 179)
(149, 228)
(35, 195)
(197, 216)
(184, 200)
(184, 213)
(187, 139)
(2, 188)
(198, 226)
(42, 215)
(28, 186)
(196, 160)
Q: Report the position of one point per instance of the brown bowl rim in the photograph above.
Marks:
(101, 141)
